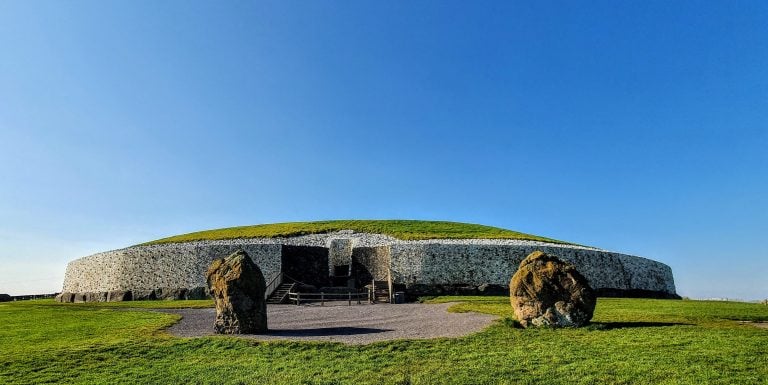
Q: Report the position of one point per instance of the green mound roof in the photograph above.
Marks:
(401, 229)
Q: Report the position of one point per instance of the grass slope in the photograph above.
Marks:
(632, 341)
(401, 229)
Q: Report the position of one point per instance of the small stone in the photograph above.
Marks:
(545, 291)
(237, 287)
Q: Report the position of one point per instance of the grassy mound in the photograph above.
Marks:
(401, 229)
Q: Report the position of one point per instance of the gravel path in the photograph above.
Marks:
(757, 324)
(356, 324)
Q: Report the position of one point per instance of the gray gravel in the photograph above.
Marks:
(356, 324)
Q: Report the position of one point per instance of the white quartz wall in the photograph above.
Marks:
(177, 265)
(475, 264)
(339, 253)
(435, 262)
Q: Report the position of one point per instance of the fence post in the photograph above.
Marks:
(350, 298)
(298, 299)
(322, 299)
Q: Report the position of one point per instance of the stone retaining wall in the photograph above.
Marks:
(147, 268)
(175, 269)
(475, 265)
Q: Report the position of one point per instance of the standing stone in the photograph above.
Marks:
(237, 287)
(546, 291)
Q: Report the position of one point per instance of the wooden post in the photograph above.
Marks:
(298, 299)
(349, 293)
(322, 299)
(358, 297)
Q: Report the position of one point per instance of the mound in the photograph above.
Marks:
(399, 229)
(416, 257)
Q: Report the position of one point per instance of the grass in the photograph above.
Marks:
(632, 341)
(401, 229)
(156, 304)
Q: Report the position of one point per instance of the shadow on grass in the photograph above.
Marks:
(318, 332)
(627, 325)
(512, 323)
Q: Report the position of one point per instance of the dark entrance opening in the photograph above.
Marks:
(307, 264)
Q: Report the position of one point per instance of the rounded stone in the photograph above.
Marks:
(545, 291)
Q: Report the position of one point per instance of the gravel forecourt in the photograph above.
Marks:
(337, 322)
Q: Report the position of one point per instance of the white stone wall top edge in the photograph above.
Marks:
(358, 239)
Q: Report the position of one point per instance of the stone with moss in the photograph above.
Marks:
(546, 291)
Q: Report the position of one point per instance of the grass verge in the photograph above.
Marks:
(632, 341)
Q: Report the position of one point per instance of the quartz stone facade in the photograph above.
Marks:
(416, 266)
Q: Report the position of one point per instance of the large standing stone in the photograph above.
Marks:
(546, 291)
(237, 287)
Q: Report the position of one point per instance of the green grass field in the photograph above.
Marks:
(632, 341)
(401, 229)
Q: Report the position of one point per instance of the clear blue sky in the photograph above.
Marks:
(636, 126)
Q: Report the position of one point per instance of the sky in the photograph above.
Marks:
(636, 126)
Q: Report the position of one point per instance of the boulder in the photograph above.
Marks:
(491, 289)
(65, 297)
(237, 287)
(546, 291)
(198, 292)
(119, 296)
(170, 293)
(143, 295)
(5, 298)
(98, 296)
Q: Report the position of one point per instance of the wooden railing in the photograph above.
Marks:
(273, 284)
(323, 297)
